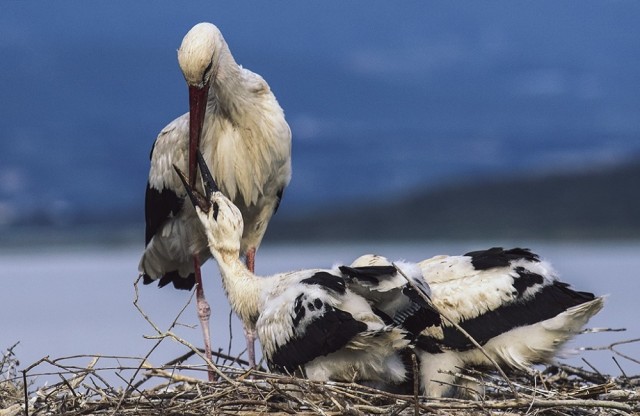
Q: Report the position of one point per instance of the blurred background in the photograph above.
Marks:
(416, 106)
(420, 129)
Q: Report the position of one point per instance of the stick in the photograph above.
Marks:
(620, 368)
(26, 394)
(168, 334)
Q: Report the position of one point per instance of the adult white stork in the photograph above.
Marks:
(509, 301)
(343, 323)
(247, 140)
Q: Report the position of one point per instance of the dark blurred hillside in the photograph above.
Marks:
(603, 203)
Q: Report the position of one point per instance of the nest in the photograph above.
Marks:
(115, 385)
(110, 385)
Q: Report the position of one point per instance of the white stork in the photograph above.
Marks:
(342, 324)
(247, 140)
(509, 301)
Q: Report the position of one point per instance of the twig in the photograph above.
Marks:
(174, 377)
(584, 374)
(611, 347)
(7, 356)
(227, 357)
(596, 330)
(590, 366)
(230, 334)
(169, 334)
(173, 324)
(620, 368)
(26, 393)
(177, 360)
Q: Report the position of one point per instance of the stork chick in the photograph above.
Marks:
(510, 301)
(313, 320)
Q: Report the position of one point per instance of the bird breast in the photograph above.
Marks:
(251, 158)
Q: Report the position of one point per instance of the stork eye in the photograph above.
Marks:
(207, 72)
(216, 208)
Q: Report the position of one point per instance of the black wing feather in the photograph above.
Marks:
(159, 206)
(328, 281)
(547, 303)
(179, 282)
(525, 280)
(322, 336)
(418, 313)
(499, 257)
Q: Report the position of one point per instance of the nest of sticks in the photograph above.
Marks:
(115, 385)
(111, 385)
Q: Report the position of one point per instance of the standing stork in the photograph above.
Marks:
(510, 301)
(236, 122)
(342, 324)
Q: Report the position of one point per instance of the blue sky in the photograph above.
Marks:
(381, 99)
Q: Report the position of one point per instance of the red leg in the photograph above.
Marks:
(204, 312)
(251, 260)
(250, 334)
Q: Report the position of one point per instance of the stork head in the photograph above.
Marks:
(199, 54)
(199, 59)
(370, 260)
(221, 219)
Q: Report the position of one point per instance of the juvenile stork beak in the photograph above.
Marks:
(197, 106)
(197, 199)
(209, 184)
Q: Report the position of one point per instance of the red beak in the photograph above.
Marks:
(197, 107)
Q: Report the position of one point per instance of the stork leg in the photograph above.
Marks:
(251, 260)
(250, 336)
(249, 333)
(204, 312)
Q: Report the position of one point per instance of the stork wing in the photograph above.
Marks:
(466, 286)
(166, 256)
(165, 194)
(548, 302)
(401, 295)
(492, 291)
(159, 206)
(303, 323)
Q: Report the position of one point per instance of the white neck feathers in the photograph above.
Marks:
(242, 287)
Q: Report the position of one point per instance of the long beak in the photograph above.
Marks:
(197, 199)
(197, 107)
(209, 184)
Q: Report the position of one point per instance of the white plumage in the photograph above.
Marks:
(343, 323)
(239, 127)
(510, 301)
(246, 140)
